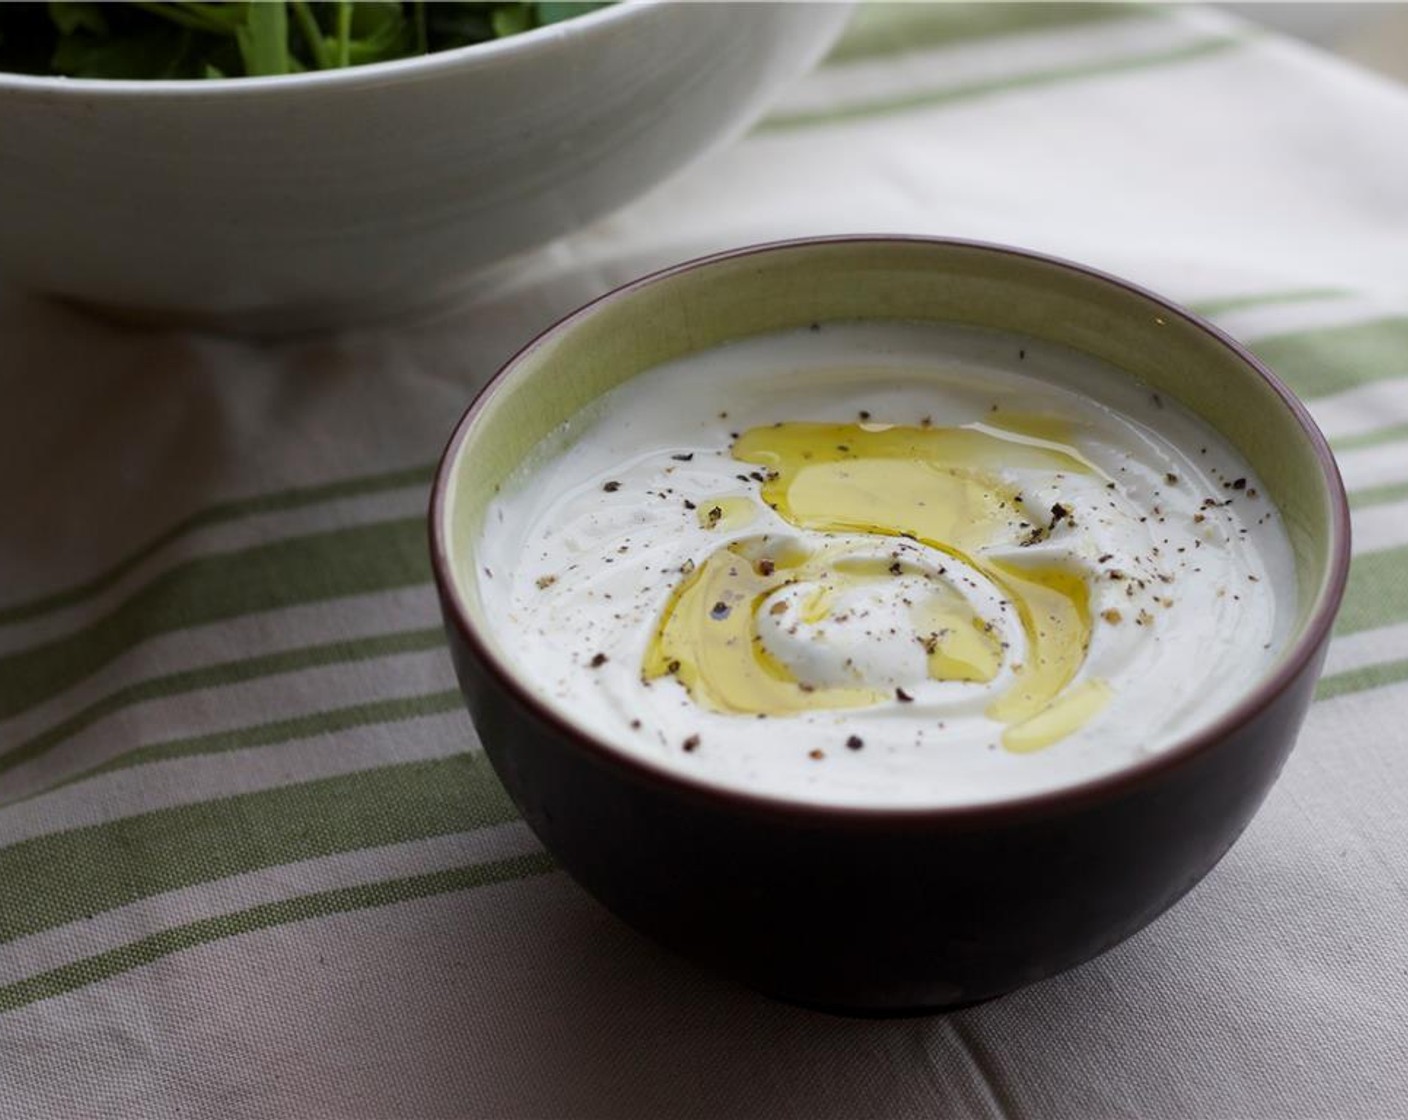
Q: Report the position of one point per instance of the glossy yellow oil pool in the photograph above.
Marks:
(726, 514)
(708, 637)
(937, 486)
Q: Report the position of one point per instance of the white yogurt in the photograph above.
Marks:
(1177, 559)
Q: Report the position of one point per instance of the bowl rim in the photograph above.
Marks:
(1309, 640)
(369, 74)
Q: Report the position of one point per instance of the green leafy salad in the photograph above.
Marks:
(248, 39)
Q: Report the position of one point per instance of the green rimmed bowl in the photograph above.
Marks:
(872, 910)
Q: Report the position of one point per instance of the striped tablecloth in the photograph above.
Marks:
(251, 859)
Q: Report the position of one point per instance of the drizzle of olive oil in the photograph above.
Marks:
(938, 486)
(726, 513)
(1067, 713)
(708, 638)
(959, 645)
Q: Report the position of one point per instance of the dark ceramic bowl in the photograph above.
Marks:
(876, 910)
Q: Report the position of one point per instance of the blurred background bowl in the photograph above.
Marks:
(325, 199)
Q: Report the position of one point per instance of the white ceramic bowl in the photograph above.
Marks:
(319, 199)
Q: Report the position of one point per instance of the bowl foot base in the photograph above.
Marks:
(848, 1011)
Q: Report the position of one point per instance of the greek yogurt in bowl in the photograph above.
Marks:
(887, 565)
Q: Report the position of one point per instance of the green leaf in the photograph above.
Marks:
(457, 25)
(263, 39)
(156, 51)
(233, 38)
(223, 54)
(344, 33)
(376, 17)
(380, 32)
(311, 34)
(555, 11)
(72, 18)
(222, 16)
(510, 19)
(225, 19)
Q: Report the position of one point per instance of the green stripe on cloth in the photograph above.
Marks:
(223, 673)
(373, 713)
(1054, 76)
(1328, 360)
(79, 974)
(274, 502)
(312, 568)
(1378, 495)
(58, 878)
(1265, 299)
(879, 29)
(1372, 439)
(1377, 594)
(1360, 680)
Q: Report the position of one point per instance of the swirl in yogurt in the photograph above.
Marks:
(769, 626)
(935, 566)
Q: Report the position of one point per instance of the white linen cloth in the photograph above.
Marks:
(247, 867)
